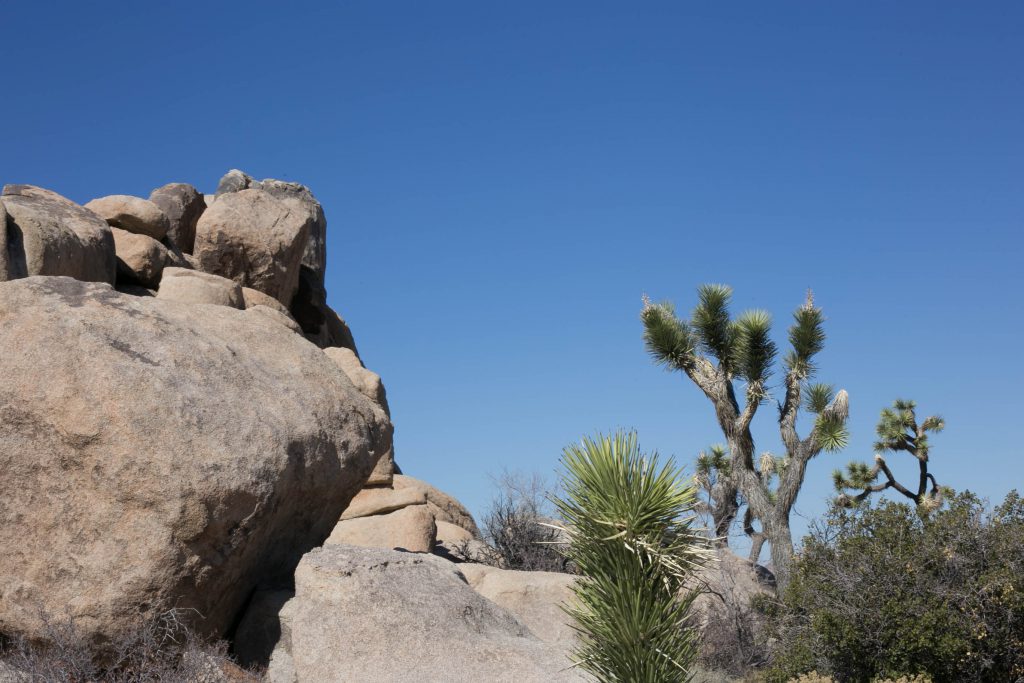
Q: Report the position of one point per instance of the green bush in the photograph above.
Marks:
(885, 592)
(630, 525)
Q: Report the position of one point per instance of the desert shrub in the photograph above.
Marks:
(733, 636)
(887, 592)
(162, 649)
(517, 527)
(630, 524)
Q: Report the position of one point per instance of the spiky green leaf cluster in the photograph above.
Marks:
(831, 433)
(858, 476)
(818, 396)
(807, 339)
(632, 537)
(712, 323)
(715, 460)
(667, 338)
(753, 350)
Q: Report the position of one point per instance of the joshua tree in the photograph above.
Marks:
(897, 430)
(715, 351)
(630, 525)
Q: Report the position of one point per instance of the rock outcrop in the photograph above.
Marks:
(156, 451)
(47, 234)
(364, 614)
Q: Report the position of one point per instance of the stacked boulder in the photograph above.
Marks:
(168, 434)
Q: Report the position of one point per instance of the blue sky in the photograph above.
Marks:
(503, 182)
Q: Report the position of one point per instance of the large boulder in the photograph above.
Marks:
(183, 205)
(535, 598)
(255, 239)
(47, 234)
(160, 453)
(300, 197)
(362, 614)
(133, 214)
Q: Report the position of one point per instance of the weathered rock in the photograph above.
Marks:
(234, 181)
(319, 322)
(362, 614)
(140, 259)
(277, 317)
(532, 597)
(366, 381)
(197, 287)
(49, 235)
(256, 239)
(183, 205)
(299, 197)
(133, 214)
(154, 452)
(444, 507)
(4, 258)
(410, 528)
(378, 501)
(254, 297)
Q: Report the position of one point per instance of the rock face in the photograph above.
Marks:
(154, 450)
(532, 597)
(133, 214)
(366, 381)
(47, 234)
(362, 614)
(183, 205)
(255, 239)
(196, 287)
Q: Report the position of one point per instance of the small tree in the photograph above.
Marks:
(897, 430)
(715, 351)
(630, 524)
(518, 526)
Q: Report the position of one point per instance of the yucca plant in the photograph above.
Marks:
(631, 524)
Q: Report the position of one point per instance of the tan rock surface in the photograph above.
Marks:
(196, 287)
(410, 528)
(183, 205)
(532, 597)
(140, 259)
(444, 507)
(362, 614)
(133, 214)
(155, 451)
(366, 381)
(48, 234)
(255, 239)
(381, 500)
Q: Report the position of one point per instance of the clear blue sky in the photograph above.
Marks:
(502, 181)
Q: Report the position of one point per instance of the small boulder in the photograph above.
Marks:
(256, 240)
(275, 316)
(365, 614)
(410, 528)
(378, 501)
(47, 234)
(140, 259)
(254, 297)
(444, 507)
(196, 287)
(183, 205)
(133, 214)
(458, 545)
